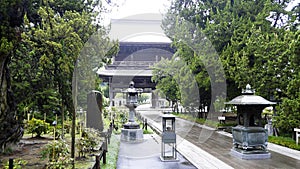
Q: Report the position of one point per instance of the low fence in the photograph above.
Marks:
(104, 148)
(147, 123)
(143, 120)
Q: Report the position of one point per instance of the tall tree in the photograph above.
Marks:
(54, 34)
(11, 18)
(222, 22)
(289, 67)
(163, 75)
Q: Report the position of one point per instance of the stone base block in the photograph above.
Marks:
(168, 159)
(250, 154)
(132, 135)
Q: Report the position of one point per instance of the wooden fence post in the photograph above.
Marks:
(11, 163)
(97, 165)
(104, 156)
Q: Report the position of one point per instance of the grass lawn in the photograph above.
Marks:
(112, 154)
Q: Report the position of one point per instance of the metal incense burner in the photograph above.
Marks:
(250, 139)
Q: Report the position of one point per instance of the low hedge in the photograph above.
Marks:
(284, 141)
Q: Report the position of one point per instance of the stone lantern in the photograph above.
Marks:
(250, 139)
(131, 130)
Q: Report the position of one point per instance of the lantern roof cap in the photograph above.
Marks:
(248, 90)
(248, 98)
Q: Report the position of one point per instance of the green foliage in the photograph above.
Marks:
(143, 98)
(36, 126)
(89, 142)
(288, 116)
(54, 34)
(18, 164)
(219, 104)
(165, 74)
(119, 116)
(284, 141)
(148, 131)
(7, 151)
(254, 45)
(57, 153)
(112, 155)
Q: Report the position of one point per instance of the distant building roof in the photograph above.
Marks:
(111, 73)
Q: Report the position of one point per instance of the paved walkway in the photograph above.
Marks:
(146, 155)
(206, 148)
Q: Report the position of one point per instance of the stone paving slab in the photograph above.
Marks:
(146, 155)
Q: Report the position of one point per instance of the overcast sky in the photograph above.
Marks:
(133, 7)
(128, 8)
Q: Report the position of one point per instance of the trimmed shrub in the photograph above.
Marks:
(38, 127)
(89, 141)
(57, 153)
(284, 141)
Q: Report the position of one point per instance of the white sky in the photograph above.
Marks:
(128, 8)
(292, 4)
(132, 7)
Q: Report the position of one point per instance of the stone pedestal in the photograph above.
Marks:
(131, 132)
(132, 135)
(250, 154)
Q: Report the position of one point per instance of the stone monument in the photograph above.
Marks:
(131, 130)
(250, 139)
(94, 111)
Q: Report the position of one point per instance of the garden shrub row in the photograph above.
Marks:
(284, 141)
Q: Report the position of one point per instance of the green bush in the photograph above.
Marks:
(57, 153)
(36, 126)
(284, 141)
(89, 141)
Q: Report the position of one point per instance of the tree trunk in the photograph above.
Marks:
(11, 130)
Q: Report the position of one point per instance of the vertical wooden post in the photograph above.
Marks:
(11, 163)
(146, 124)
(104, 156)
(97, 165)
